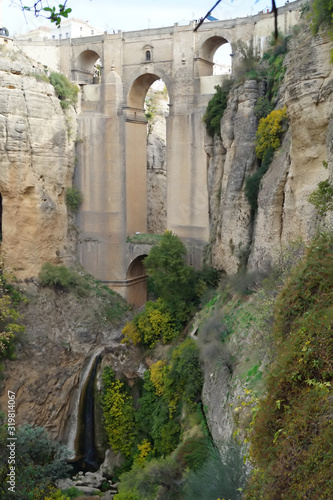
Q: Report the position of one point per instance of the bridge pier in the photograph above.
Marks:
(112, 157)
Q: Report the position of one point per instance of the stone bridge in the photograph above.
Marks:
(112, 162)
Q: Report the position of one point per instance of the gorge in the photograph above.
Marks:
(70, 334)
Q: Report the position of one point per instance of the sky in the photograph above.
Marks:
(130, 15)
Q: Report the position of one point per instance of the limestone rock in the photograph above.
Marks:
(229, 209)
(156, 165)
(55, 358)
(36, 166)
(111, 461)
(284, 213)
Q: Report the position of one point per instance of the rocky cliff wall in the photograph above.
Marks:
(156, 165)
(36, 165)
(64, 334)
(284, 212)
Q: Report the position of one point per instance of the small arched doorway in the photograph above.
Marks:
(136, 282)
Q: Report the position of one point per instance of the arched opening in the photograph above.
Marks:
(211, 54)
(222, 60)
(136, 282)
(144, 117)
(148, 55)
(87, 67)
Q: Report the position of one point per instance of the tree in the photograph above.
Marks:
(176, 283)
(55, 13)
(39, 461)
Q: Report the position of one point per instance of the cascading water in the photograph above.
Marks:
(86, 453)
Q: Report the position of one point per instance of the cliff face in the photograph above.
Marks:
(230, 161)
(64, 334)
(284, 212)
(156, 165)
(36, 165)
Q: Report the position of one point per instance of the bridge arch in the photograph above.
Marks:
(136, 279)
(138, 84)
(206, 54)
(84, 70)
(136, 148)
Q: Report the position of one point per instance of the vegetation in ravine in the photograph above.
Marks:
(178, 288)
(11, 328)
(150, 428)
(82, 285)
(322, 197)
(292, 432)
(320, 14)
(38, 462)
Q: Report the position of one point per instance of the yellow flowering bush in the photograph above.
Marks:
(118, 413)
(157, 376)
(270, 130)
(155, 323)
(131, 334)
(145, 449)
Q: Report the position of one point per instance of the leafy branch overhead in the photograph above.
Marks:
(54, 14)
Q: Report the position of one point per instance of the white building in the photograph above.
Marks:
(69, 28)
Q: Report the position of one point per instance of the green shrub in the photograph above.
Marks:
(193, 452)
(73, 492)
(273, 66)
(322, 197)
(10, 328)
(177, 284)
(247, 67)
(63, 278)
(74, 198)
(321, 14)
(252, 182)
(65, 90)
(216, 478)
(153, 419)
(159, 479)
(263, 107)
(184, 378)
(215, 110)
(39, 461)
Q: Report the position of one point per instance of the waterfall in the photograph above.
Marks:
(85, 439)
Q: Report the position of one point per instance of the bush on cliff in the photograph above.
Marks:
(291, 441)
(63, 278)
(74, 198)
(66, 91)
(10, 327)
(270, 131)
(215, 110)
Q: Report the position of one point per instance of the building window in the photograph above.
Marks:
(92, 32)
(60, 36)
(53, 37)
(67, 35)
(148, 55)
